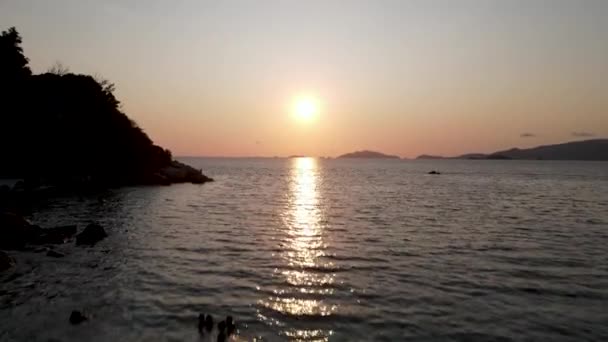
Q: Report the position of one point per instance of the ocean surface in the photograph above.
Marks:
(330, 250)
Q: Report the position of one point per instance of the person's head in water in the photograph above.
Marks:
(230, 326)
(209, 323)
(221, 326)
(201, 322)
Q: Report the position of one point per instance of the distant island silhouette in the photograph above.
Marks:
(62, 128)
(368, 154)
(594, 149)
(428, 156)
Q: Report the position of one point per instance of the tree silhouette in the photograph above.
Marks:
(58, 69)
(13, 63)
(65, 127)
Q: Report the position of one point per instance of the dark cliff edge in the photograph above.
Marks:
(368, 154)
(68, 130)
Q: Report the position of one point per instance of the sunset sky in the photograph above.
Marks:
(266, 78)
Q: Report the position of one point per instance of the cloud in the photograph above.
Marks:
(527, 135)
(582, 134)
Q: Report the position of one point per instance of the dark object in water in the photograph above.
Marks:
(221, 336)
(201, 323)
(54, 254)
(231, 327)
(15, 231)
(55, 235)
(77, 317)
(209, 323)
(6, 261)
(434, 172)
(92, 234)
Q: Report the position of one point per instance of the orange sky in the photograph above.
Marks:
(401, 77)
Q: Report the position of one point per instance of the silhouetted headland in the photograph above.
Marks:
(69, 130)
(427, 156)
(595, 149)
(368, 154)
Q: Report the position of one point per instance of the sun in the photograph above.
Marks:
(306, 108)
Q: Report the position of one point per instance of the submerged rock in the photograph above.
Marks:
(55, 254)
(77, 317)
(55, 235)
(15, 231)
(6, 261)
(92, 234)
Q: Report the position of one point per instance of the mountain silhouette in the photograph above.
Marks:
(368, 154)
(594, 149)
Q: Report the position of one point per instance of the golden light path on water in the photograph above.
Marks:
(304, 247)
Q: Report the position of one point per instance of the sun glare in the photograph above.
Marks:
(306, 108)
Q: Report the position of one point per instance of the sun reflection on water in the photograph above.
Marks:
(307, 279)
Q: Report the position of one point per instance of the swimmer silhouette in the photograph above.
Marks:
(230, 326)
(201, 323)
(221, 336)
(209, 323)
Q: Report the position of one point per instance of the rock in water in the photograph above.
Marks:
(4, 191)
(181, 173)
(6, 261)
(92, 234)
(15, 231)
(55, 235)
(77, 317)
(55, 254)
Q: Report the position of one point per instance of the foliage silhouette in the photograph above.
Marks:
(61, 127)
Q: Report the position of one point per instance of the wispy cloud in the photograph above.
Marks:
(583, 134)
(527, 135)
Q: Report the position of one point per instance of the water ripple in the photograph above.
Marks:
(330, 250)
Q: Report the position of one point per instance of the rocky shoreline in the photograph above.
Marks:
(33, 189)
(18, 234)
(176, 172)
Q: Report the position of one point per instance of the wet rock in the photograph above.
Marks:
(92, 234)
(19, 186)
(10, 220)
(181, 173)
(55, 235)
(54, 254)
(434, 172)
(6, 261)
(156, 179)
(77, 317)
(15, 231)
